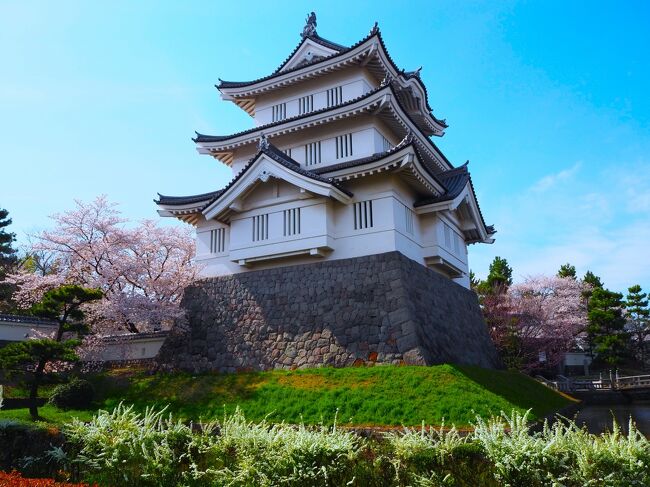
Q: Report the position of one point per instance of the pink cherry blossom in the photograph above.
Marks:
(142, 269)
(540, 316)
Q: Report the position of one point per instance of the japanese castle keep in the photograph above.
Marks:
(342, 236)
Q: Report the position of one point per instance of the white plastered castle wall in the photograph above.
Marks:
(368, 136)
(327, 229)
(353, 82)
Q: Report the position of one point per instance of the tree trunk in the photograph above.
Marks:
(33, 390)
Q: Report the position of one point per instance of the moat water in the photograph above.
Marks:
(598, 419)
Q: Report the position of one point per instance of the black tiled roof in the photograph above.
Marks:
(184, 200)
(342, 50)
(455, 181)
(134, 336)
(356, 162)
(271, 151)
(376, 157)
(278, 156)
(318, 40)
(31, 320)
(220, 138)
(315, 37)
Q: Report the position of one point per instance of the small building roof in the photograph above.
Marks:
(26, 320)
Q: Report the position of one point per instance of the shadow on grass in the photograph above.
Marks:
(518, 389)
(187, 394)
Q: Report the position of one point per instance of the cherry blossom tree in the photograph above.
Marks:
(141, 270)
(538, 318)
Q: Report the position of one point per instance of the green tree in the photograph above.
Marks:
(29, 359)
(593, 280)
(567, 270)
(8, 259)
(606, 328)
(474, 282)
(638, 318)
(500, 274)
(498, 281)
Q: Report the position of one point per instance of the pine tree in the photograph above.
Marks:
(8, 258)
(638, 318)
(29, 360)
(567, 270)
(606, 328)
(500, 274)
(593, 280)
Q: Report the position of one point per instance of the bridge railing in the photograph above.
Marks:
(633, 382)
(565, 384)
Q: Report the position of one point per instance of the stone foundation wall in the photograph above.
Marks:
(382, 308)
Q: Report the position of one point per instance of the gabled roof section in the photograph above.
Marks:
(370, 52)
(321, 48)
(460, 188)
(191, 208)
(404, 159)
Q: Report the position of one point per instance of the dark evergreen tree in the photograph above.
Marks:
(8, 259)
(567, 270)
(606, 328)
(638, 318)
(593, 280)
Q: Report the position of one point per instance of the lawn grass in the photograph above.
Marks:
(373, 396)
(368, 396)
(50, 415)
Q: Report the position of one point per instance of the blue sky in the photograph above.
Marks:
(548, 100)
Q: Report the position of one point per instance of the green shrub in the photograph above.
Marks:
(76, 394)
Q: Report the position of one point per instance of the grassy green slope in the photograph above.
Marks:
(381, 395)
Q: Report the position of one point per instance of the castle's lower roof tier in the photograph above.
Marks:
(437, 191)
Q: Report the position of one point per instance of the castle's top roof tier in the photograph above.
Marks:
(316, 56)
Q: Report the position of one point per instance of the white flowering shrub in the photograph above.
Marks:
(124, 447)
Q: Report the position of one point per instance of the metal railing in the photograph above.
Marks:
(613, 383)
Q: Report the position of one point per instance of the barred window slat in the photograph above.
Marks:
(217, 241)
(363, 215)
(344, 146)
(279, 112)
(260, 227)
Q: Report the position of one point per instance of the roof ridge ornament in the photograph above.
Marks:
(375, 29)
(408, 138)
(386, 81)
(263, 144)
(310, 26)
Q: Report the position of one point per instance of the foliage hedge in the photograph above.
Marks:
(76, 394)
(124, 447)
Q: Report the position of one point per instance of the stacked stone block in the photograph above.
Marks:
(382, 308)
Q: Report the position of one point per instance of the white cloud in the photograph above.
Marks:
(596, 225)
(552, 180)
